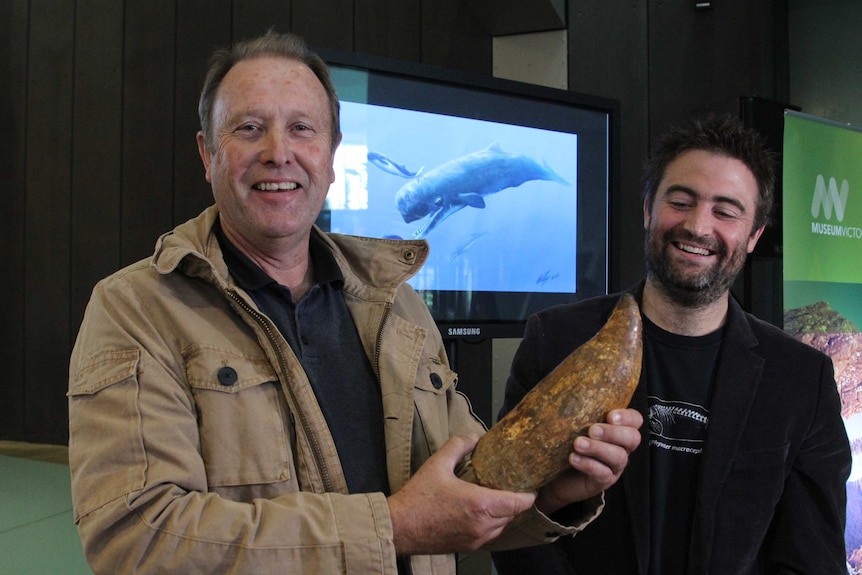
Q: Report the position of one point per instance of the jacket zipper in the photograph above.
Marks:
(386, 311)
(401, 562)
(306, 425)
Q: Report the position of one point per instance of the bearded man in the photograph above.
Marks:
(742, 468)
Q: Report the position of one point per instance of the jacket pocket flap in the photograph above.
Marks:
(103, 370)
(217, 369)
(434, 377)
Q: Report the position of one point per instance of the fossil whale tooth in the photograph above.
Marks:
(530, 445)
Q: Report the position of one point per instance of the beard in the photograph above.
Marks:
(692, 288)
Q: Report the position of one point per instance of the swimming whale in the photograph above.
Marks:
(390, 166)
(464, 182)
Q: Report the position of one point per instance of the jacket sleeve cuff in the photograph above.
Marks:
(535, 528)
(365, 530)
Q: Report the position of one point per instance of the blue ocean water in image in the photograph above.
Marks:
(497, 203)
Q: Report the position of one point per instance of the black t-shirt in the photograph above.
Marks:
(679, 375)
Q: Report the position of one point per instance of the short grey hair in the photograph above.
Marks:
(280, 45)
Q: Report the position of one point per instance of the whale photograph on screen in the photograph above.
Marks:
(496, 202)
(512, 185)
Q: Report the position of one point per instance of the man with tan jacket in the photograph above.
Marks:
(261, 397)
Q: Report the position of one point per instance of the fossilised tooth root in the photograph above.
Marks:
(530, 446)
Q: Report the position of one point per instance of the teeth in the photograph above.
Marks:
(694, 250)
(271, 187)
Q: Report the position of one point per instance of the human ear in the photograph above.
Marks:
(206, 156)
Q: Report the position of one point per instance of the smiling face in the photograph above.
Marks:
(700, 226)
(270, 164)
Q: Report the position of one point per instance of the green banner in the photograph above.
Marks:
(822, 222)
(822, 197)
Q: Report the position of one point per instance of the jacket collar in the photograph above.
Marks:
(372, 268)
(193, 246)
(740, 366)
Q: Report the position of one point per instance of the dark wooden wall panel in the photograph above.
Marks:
(148, 125)
(254, 17)
(452, 37)
(47, 222)
(13, 117)
(705, 60)
(202, 26)
(328, 24)
(96, 147)
(390, 28)
(607, 58)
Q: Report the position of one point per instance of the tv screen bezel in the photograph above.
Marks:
(423, 73)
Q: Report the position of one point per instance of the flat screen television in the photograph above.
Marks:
(510, 183)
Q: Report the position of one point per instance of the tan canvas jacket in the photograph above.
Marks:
(196, 442)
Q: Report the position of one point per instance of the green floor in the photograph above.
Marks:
(37, 535)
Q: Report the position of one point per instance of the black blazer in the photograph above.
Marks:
(771, 495)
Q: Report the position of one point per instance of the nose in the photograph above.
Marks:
(698, 220)
(276, 149)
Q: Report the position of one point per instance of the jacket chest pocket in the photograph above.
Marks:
(242, 416)
(434, 382)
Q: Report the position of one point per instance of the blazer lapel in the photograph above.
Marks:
(737, 378)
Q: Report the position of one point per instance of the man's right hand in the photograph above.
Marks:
(436, 512)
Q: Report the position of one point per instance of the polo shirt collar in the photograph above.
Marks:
(251, 277)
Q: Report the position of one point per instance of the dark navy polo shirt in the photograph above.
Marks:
(321, 332)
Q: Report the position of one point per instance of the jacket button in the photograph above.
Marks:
(436, 381)
(227, 376)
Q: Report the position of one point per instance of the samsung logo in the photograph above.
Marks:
(455, 331)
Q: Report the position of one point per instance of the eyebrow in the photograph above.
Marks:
(717, 199)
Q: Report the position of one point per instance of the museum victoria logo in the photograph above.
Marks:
(829, 203)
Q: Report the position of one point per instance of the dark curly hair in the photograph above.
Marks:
(723, 134)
